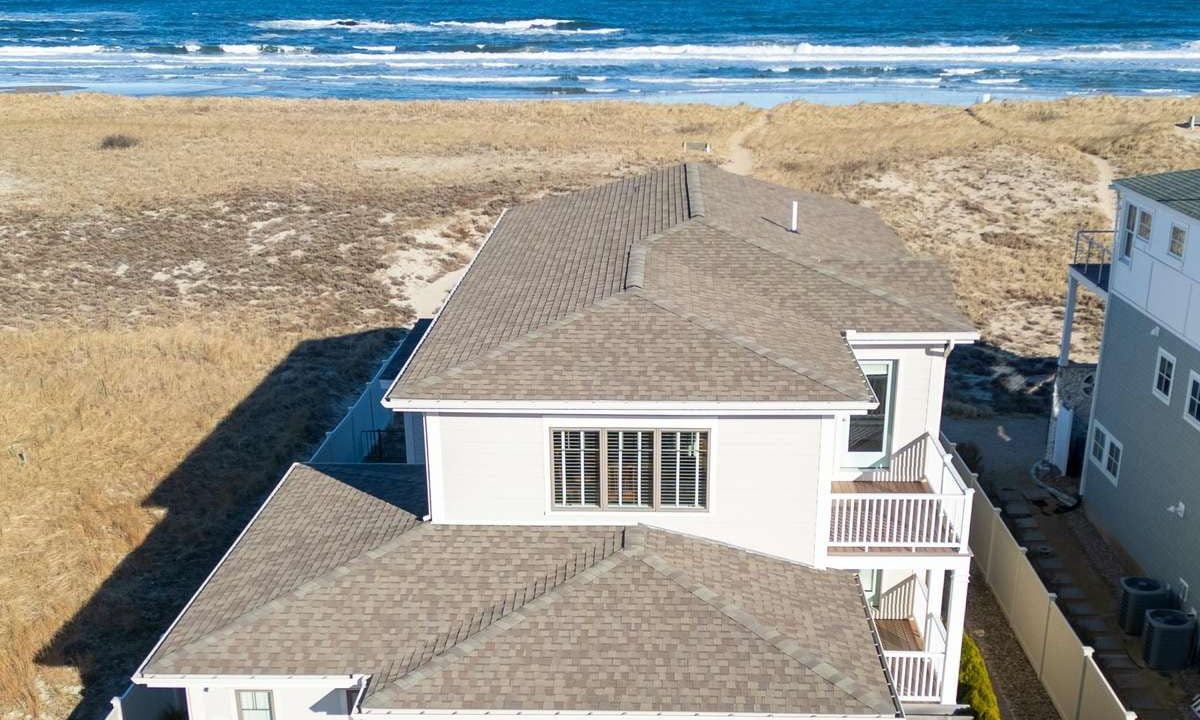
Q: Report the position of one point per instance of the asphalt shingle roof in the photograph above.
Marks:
(519, 617)
(661, 287)
(1177, 190)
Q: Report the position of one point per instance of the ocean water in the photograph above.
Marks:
(760, 52)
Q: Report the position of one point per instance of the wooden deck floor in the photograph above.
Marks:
(866, 486)
(898, 635)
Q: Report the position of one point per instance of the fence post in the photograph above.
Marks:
(1087, 654)
(1051, 598)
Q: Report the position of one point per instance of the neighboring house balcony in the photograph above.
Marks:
(913, 637)
(917, 503)
(1091, 263)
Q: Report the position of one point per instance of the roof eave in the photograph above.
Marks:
(591, 407)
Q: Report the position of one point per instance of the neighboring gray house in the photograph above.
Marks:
(675, 449)
(1141, 471)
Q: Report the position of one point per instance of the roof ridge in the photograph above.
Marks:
(834, 275)
(694, 190)
(639, 252)
(773, 636)
(467, 637)
(760, 350)
(299, 591)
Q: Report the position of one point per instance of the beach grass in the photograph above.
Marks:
(187, 314)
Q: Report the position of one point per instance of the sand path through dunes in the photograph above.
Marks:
(741, 157)
(1104, 194)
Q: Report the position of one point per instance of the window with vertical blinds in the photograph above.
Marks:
(630, 469)
(576, 468)
(630, 463)
(683, 477)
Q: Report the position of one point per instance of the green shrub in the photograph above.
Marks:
(974, 684)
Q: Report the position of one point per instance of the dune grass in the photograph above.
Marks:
(183, 315)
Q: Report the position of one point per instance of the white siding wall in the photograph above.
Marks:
(1165, 288)
(920, 376)
(290, 702)
(764, 476)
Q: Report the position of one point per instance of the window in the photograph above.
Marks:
(647, 469)
(868, 437)
(684, 480)
(1131, 213)
(1178, 242)
(630, 467)
(1143, 225)
(1164, 375)
(576, 468)
(254, 705)
(1106, 452)
(1191, 411)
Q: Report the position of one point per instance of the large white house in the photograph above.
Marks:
(674, 447)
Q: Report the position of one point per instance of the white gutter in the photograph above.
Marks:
(273, 681)
(855, 337)
(138, 673)
(604, 407)
(438, 315)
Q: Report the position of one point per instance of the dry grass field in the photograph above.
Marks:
(184, 316)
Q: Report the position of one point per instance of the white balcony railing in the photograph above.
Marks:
(938, 517)
(917, 674)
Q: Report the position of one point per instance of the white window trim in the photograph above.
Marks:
(1123, 229)
(1166, 398)
(655, 504)
(1138, 226)
(1193, 377)
(237, 701)
(1172, 256)
(1109, 441)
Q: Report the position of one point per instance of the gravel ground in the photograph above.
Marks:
(1017, 686)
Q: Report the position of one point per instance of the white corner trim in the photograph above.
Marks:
(438, 315)
(138, 673)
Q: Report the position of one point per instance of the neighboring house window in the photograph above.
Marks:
(1192, 410)
(630, 467)
(641, 468)
(1106, 452)
(1131, 214)
(1178, 242)
(1164, 375)
(254, 705)
(684, 481)
(577, 468)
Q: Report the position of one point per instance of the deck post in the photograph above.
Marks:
(1064, 348)
(954, 632)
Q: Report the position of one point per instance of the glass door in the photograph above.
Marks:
(869, 439)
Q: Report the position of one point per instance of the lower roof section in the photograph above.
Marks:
(338, 576)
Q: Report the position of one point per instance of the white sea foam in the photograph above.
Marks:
(376, 48)
(534, 26)
(340, 23)
(958, 72)
(474, 80)
(997, 81)
(531, 26)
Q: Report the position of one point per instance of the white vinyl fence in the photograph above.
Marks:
(142, 703)
(1063, 663)
(351, 439)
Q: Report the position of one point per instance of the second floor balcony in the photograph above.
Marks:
(918, 503)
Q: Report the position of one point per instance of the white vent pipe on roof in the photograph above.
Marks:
(795, 216)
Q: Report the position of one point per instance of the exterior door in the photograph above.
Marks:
(869, 439)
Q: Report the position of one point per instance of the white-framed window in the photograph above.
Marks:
(255, 705)
(1128, 231)
(640, 468)
(1191, 405)
(1144, 225)
(1164, 375)
(1106, 452)
(1177, 243)
(576, 458)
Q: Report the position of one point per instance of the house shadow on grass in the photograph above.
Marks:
(208, 499)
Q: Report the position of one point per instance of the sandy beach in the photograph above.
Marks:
(190, 307)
